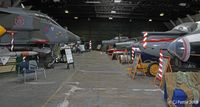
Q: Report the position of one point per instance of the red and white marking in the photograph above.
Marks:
(132, 53)
(12, 42)
(145, 40)
(160, 72)
(90, 44)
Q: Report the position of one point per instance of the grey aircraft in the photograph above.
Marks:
(187, 48)
(111, 42)
(128, 44)
(115, 40)
(161, 40)
(31, 31)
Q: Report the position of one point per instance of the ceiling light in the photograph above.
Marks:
(75, 17)
(110, 18)
(182, 4)
(66, 11)
(162, 14)
(130, 20)
(117, 1)
(150, 20)
(113, 11)
(56, 0)
(93, 2)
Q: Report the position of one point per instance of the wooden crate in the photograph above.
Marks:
(9, 67)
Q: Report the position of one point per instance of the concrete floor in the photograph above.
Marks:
(95, 82)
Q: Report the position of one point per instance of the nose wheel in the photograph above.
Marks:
(152, 69)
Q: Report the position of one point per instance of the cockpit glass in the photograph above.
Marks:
(186, 27)
(48, 19)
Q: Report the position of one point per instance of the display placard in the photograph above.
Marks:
(82, 48)
(69, 56)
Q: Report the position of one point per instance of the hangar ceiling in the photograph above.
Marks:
(157, 10)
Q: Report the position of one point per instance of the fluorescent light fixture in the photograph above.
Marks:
(162, 14)
(56, 0)
(117, 1)
(110, 18)
(66, 11)
(182, 4)
(75, 17)
(150, 20)
(113, 11)
(93, 2)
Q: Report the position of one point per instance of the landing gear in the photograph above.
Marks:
(152, 69)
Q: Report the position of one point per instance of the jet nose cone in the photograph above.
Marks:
(180, 48)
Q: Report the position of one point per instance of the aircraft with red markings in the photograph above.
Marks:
(178, 42)
(187, 47)
(154, 41)
(31, 31)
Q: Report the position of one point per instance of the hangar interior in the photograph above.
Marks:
(100, 53)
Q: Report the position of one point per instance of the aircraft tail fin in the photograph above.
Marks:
(4, 60)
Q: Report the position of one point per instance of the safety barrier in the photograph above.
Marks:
(145, 40)
(132, 53)
(137, 66)
(90, 44)
(164, 66)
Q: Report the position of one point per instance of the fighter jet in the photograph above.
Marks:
(111, 42)
(127, 44)
(115, 40)
(187, 48)
(26, 30)
(154, 41)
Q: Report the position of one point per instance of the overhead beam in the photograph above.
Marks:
(120, 13)
(131, 17)
(190, 18)
(172, 23)
(179, 19)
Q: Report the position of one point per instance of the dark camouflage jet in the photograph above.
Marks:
(25, 30)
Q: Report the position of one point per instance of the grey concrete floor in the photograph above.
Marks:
(96, 81)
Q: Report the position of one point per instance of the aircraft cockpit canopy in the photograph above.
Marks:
(186, 27)
(42, 17)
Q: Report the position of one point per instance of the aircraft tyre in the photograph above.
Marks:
(152, 69)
